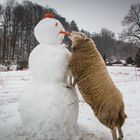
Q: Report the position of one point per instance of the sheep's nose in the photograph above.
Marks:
(73, 32)
(70, 34)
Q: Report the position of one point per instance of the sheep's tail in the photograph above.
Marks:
(122, 117)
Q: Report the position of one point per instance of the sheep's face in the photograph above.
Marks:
(77, 35)
(79, 39)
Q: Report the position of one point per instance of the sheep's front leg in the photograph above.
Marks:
(120, 133)
(68, 78)
(74, 81)
(114, 134)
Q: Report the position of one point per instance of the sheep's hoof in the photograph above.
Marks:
(68, 86)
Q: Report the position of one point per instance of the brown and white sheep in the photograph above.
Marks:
(95, 84)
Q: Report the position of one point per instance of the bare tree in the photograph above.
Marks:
(105, 42)
(1, 12)
(131, 22)
(17, 22)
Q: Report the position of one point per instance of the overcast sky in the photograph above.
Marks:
(92, 15)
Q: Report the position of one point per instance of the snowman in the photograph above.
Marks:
(48, 109)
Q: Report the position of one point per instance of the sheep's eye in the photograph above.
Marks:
(81, 34)
(56, 24)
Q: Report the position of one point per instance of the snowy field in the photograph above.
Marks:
(127, 80)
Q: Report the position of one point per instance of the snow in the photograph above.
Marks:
(127, 80)
(49, 63)
(3, 68)
(45, 33)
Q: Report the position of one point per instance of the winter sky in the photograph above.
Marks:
(92, 15)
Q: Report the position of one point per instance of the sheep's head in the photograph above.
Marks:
(79, 40)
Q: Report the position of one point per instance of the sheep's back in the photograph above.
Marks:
(97, 87)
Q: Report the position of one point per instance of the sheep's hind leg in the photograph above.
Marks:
(120, 133)
(114, 134)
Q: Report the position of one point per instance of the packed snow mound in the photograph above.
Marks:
(52, 112)
(46, 32)
(49, 64)
(48, 109)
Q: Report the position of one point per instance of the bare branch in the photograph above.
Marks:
(132, 24)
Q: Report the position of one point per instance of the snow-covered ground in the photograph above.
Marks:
(127, 80)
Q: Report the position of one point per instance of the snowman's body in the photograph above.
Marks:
(49, 110)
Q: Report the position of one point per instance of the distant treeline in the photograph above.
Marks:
(17, 22)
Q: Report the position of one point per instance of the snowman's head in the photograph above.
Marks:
(49, 31)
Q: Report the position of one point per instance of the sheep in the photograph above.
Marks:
(95, 84)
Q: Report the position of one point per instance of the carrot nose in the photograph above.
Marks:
(64, 33)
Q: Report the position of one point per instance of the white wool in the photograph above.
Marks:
(49, 109)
